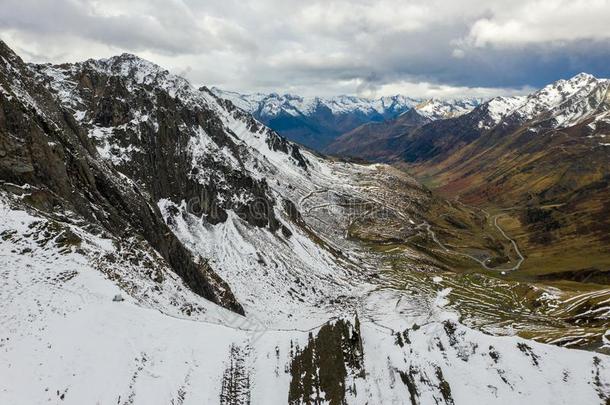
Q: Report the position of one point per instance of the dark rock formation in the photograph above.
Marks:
(45, 148)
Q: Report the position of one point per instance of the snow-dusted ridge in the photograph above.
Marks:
(558, 105)
(317, 121)
(442, 109)
(269, 105)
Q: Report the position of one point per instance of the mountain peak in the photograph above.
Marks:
(128, 64)
(127, 55)
(131, 59)
(583, 76)
(7, 53)
(273, 104)
(439, 109)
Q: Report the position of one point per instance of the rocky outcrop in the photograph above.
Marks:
(47, 152)
(322, 370)
(149, 134)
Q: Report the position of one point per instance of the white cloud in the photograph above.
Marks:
(544, 21)
(458, 53)
(362, 17)
(431, 90)
(322, 46)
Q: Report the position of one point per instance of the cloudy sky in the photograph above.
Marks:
(422, 48)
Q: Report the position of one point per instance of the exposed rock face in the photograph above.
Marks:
(170, 141)
(150, 135)
(322, 370)
(46, 149)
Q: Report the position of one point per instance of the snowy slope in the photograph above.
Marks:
(496, 109)
(553, 98)
(559, 105)
(66, 341)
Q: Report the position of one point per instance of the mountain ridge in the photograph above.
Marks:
(560, 104)
(547, 156)
(317, 121)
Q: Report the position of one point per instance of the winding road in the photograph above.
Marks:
(512, 241)
(429, 230)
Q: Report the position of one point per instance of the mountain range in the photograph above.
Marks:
(159, 244)
(317, 121)
(543, 157)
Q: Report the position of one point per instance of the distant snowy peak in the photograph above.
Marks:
(273, 104)
(555, 96)
(384, 105)
(270, 105)
(247, 102)
(496, 109)
(435, 109)
(559, 104)
(316, 122)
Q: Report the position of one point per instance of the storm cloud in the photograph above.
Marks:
(418, 48)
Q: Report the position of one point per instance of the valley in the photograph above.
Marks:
(534, 166)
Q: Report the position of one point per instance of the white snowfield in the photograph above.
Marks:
(65, 340)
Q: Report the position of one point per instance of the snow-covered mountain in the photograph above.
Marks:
(317, 121)
(435, 109)
(161, 246)
(371, 141)
(561, 104)
(271, 105)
